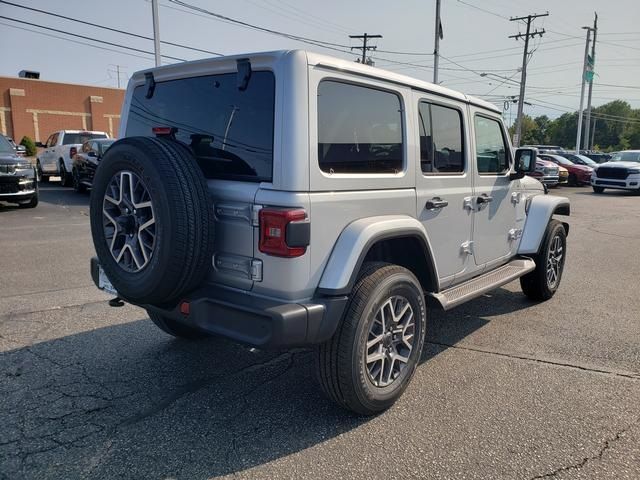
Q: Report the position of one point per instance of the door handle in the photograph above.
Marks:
(484, 198)
(435, 203)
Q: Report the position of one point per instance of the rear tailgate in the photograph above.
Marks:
(229, 128)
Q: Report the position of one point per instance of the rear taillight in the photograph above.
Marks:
(284, 232)
(72, 151)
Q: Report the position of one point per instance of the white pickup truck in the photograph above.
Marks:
(57, 157)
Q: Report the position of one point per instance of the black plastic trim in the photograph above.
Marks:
(253, 320)
(298, 234)
(363, 254)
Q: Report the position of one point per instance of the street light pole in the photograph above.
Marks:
(156, 32)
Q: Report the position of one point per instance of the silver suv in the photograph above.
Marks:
(290, 199)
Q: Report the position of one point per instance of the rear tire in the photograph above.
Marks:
(77, 186)
(65, 177)
(176, 329)
(359, 368)
(598, 189)
(543, 282)
(41, 176)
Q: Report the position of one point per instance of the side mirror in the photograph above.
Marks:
(525, 162)
(21, 148)
(40, 145)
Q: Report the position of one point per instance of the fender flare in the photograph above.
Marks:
(355, 241)
(540, 209)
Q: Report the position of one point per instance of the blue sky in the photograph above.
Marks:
(475, 41)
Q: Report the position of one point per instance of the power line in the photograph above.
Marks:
(18, 27)
(299, 38)
(111, 29)
(90, 39)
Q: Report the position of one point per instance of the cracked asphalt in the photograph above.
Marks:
(508, 389)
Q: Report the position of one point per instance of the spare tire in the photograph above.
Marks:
(151, 220)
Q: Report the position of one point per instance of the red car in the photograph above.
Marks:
(578, 174)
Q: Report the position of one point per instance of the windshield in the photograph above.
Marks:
(74, 138)
(580, 159)
(5, 146)
(626, 157)
(229, 130)
(102, 146)
(559, 159)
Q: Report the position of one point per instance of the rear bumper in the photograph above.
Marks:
(257, 321)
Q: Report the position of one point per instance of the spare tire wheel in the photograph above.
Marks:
(151, 219)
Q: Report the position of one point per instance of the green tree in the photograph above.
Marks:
(29, 145)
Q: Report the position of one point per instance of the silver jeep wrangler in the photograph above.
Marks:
(291, 199)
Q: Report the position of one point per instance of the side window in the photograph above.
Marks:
(359, 129)
(48, 144)
(54, 139)
(85, 147)
(491, 148)
(441, 145)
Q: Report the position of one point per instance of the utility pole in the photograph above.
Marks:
(156, 32)
(593, 132)
(118, 74)
(436, 47)
(364, 46)
(584, 78)
(592, 64)
(523, 74)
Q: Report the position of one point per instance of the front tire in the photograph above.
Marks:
(543, 282)
(370, 360)
(176, 329)
(598, 189)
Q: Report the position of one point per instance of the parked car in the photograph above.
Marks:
(597, 157)
(578, 174)
(579, 159)
(18, 179)
(20, 150)
(563, 175)
(55, 159)
(86, 161)
(546, 173)
(622, 172)
(273, 198)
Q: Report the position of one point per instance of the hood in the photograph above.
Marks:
(583, 167)
(12, 159)
(544, 163)
(620, 165)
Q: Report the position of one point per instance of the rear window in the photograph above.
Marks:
(74, 138)
(229, 131)
(359, 129)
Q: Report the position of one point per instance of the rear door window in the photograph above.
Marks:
(229, 131)
(359, 129)
(441, 145)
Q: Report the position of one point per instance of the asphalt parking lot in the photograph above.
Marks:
(508, 389)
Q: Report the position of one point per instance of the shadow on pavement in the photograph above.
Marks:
(127, 401)
(53, 192)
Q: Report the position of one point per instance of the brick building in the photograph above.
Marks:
(37, 108)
